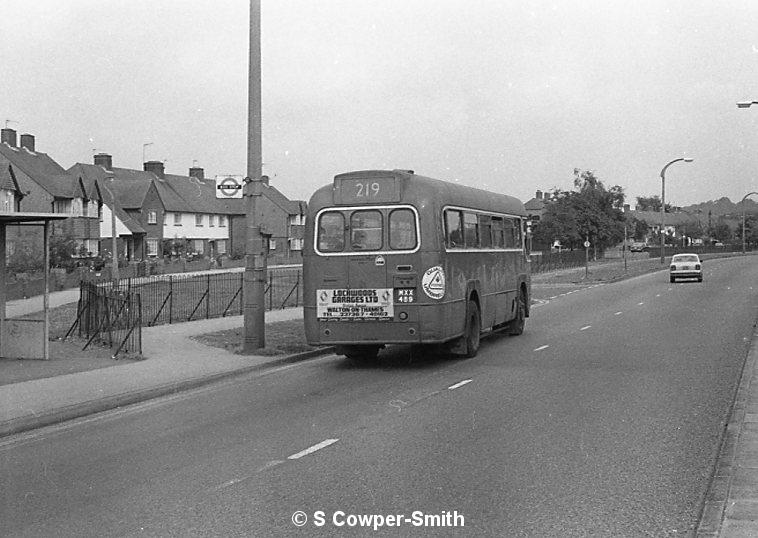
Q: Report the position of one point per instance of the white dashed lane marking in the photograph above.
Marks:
(618, 313)
(585, 327)
(311, 450)
(640, 304)
(541, 348)
(459, 384)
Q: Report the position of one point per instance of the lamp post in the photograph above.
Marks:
(663, 199)
(742, 203)
(745, 104)
(114, 237)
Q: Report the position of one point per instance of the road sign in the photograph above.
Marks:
(586, 244)
(229, 186)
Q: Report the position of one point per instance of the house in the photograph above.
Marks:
(161, 214)
(34, 182)
(535, 207)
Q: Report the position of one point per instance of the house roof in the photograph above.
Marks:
(7, 181)
(41, 169)
(178, 193)
(535, 204)
(653, 218)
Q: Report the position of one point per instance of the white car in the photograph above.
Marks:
(686, 266)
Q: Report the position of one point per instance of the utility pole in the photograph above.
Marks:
(255, 258)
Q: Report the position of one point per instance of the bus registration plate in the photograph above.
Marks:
(355, 304)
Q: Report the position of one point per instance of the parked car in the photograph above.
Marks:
(686, 266)
(638, 247)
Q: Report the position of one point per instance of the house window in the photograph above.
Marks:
(272, 244)
(152, 247)
(297, 220)
(221, 246)
(296, 244)
(177, 219)
(152, 216)
(211, 220)
(62, 206)
(198, 220)
(198, 245)
(222, 220)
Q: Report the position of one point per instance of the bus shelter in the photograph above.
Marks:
(25, 338)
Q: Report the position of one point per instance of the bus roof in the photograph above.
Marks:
(410, 186)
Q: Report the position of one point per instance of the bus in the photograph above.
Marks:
(392, 257)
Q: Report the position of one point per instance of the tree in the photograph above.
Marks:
(650, 203)
(589, 212)
(751, 230)
(722, 232)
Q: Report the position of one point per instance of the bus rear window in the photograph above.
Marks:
(331, 232)
(402, 229)
(366, 230)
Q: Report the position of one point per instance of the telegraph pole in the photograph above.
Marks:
(254, 277)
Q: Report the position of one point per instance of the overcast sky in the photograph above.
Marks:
(505, 95)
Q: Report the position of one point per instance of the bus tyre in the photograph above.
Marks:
(472, 336)
(364, 353)
(516, 326)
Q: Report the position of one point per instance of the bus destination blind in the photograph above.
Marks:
(367, 190)
(355, 304)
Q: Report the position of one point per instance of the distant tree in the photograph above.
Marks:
(751, 230)
(590, 211)
(722, 232)
(650, 203)
(637, 229)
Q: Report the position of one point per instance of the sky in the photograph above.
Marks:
(509, 96)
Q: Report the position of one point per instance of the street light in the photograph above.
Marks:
(745, 104)
(742, 202)
(114, 237)
(663, 199)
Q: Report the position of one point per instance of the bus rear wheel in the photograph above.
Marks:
(472, 337)
(516, 326)
(363, 353)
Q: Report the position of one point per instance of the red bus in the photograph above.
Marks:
(391, 257)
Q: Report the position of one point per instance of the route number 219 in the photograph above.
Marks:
(366, 190)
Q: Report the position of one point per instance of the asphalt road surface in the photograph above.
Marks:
(604, 418)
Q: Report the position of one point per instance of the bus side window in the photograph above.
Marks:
(498, 235)
(470, 230)
(331, 232)
(517, 233)
(453, 229)
(509, 233)
(485, 231)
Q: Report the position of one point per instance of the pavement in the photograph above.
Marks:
(175, 362)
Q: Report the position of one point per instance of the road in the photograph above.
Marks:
(604, 418)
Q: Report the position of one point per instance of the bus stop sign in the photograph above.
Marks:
(229, 186)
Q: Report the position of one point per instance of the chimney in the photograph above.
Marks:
(156, 167)
(27, 141)
(9, 137)
(538, 195)
(264, 179)
(197, 172)
(104, 160)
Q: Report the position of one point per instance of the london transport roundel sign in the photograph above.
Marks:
(229, 186)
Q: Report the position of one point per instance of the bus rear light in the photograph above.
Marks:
(327, 332)
(403, 316)
(412, 331)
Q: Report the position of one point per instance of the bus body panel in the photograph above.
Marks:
(492, 278)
